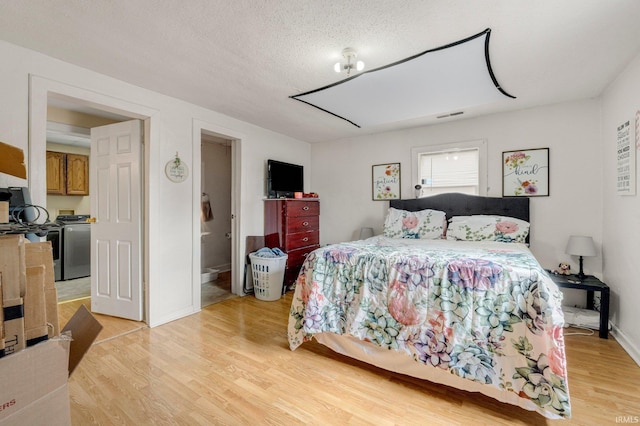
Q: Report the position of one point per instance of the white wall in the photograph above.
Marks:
(621, 214)
(172, 222)
(342, 175)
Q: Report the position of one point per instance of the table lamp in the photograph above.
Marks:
(581, 246)
(366, 233)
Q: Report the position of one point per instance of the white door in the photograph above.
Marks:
(115, 186)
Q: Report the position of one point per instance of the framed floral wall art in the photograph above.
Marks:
(525, 173)
(386, 181)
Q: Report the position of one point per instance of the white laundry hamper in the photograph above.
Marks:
(268, 276)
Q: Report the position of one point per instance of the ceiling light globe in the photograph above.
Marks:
(337, 67)
(359, 65)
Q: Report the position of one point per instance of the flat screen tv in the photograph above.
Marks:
(283, 179)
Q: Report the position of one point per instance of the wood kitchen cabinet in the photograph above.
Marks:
(77, 174)
(293, 225)
(56, 180)
(67, 174)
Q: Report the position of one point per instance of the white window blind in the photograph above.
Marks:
(451, 167)
(452, 171)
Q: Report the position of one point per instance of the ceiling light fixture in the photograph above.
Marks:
(350, 56)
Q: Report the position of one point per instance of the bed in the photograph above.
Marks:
(438, 297)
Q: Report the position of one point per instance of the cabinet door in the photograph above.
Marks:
(77, 174)
(55, 173)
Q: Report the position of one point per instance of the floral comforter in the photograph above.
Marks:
(486, 312)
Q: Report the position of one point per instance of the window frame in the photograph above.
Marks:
(479, 144)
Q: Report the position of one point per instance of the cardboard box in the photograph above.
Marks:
(13, 312)
(37, 254)
(41, 253)
(13, 271)
(34, 381)
(51, 409)
(35, 316)
(12, 266)
(2, 353)
(36, 374)
(51, 307)
(34, 387)
(84, 328)
(4, 212)
(12, 161)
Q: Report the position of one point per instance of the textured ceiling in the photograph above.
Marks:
(244, 58)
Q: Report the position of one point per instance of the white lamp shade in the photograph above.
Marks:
(581, 246)
(366, 233)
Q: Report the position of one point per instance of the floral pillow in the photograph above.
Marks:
(423, 224)
(487, 228)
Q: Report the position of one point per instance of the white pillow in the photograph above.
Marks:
(487, 228)
(423, 224)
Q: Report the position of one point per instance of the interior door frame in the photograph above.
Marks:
(237, 258)
(40, 89)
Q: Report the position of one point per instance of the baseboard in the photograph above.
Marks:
(224, 267)
(626, 344)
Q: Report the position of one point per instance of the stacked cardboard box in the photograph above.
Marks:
(41, 298)
(13, 283)
(36, 360)
(29, 298)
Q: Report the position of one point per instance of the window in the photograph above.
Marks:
(457, 167)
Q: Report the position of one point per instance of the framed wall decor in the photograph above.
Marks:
(385, 181)
(626, 156)
(525, 173)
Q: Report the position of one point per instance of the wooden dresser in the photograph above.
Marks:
(293, 225)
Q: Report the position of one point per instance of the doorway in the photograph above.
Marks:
(42, 89)
(68, 142)
(216, 172)
(68, 134)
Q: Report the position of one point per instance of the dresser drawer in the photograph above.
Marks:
(293, 225)
(297, 257)
(301, 239)
(302, 208)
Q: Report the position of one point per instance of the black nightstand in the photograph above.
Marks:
(590, 284)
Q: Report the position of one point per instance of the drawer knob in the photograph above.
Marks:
(305, 208)
(305, 239)
(305, 223)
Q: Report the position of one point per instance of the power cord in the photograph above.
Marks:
(590, 331)
(38, 226)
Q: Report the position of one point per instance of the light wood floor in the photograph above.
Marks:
(231, 365)
(112, 327)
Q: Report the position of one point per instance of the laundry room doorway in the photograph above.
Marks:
(68, 197)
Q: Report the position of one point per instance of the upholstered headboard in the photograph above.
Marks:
(455, 204)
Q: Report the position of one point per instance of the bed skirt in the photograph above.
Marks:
(402, 364)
